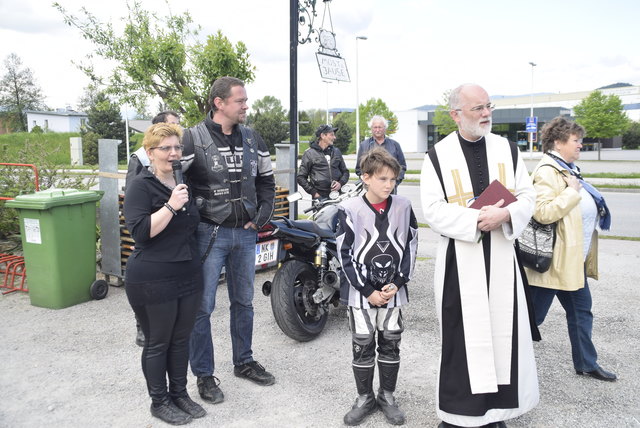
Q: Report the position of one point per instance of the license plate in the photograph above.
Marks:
(266, 252)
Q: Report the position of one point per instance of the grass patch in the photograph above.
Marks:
(620, 238)
(11, 144)
(618, 186)
(611, 175)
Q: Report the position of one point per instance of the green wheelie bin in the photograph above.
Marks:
(58, 228)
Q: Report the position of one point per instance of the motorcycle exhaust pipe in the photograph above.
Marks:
(266, 288)
(330, 278)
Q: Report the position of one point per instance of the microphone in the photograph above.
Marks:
(177, 175)
(177, 172)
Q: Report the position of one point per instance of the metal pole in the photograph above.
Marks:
(327, 83)
(293, 95)
(358, 96)
(126, 133)
(531, 114)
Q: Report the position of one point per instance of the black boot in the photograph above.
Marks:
(366, 402)
(386, 401)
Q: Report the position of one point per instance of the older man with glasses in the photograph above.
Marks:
(487, 371)
(378, 125)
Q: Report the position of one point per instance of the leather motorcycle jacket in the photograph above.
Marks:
(215, 188)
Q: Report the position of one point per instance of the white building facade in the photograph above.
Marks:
(416, 132)
(61, 120)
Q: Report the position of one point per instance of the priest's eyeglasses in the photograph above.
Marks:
(478, 109)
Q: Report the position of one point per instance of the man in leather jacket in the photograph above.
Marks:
(229, 172)
(322, 168)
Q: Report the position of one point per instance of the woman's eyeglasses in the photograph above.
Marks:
(169, 148)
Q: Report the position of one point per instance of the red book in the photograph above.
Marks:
(492, 195)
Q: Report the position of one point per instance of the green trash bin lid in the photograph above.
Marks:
(54, 198)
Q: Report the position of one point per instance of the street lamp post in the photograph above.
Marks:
(532, 64)
(327, 83)
(358, 95)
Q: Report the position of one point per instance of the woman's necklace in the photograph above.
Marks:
(168, 182)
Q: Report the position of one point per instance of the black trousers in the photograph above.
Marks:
(167, 328)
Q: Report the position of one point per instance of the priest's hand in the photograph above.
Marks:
(376, 299)
(493, 216)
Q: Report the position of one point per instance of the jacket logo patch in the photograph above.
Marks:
(254, 168)
(216, 167)
(219, 192)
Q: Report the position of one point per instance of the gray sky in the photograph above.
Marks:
(416, 49)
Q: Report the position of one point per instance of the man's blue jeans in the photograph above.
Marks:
(235, 249)
(577, 306)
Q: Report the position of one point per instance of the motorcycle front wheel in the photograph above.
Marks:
(297, 315)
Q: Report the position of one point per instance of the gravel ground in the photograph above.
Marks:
(79, 366)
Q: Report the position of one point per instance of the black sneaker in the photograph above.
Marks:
(170, 413)
(209, 389)
(255, 373)
(187, 405)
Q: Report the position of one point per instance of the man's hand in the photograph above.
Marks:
(250, 225)
(335, 186)
(493, 216)
(377, 299)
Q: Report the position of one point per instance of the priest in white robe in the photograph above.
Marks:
(487, 372)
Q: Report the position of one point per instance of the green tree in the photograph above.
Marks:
(305, 128)
(345, 132)
(601, 115)
(317, 117)
(442, 120)
(163, 57)
(375, 106)
(104, 121)
(631, 138)
(18, 92)
(88, 99)
(269, 119)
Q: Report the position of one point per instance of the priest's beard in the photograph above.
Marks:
(475, 128)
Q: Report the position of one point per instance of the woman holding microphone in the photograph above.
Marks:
(163, 277)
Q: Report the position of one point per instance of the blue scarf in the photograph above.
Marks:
(603, 210)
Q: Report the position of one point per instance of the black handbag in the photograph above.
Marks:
(536, 245)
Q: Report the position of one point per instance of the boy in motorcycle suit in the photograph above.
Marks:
(377, 240)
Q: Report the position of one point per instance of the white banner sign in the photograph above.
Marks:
(332, 67)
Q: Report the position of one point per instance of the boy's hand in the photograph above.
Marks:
(388, 291)
(377, 299)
